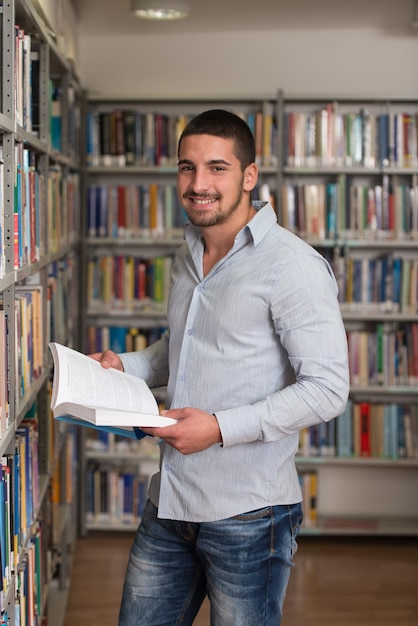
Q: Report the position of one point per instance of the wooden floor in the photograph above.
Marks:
(335, 582)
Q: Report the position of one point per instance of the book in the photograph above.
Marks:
(4, 370)
(93, 138)
(85, 393)
(129, 131)
(56, 119)
(365, 426)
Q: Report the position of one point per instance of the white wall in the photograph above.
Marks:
(364, 62)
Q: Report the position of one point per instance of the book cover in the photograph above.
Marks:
(104, 138)
(121, 210)
(92, 138)
(129, 130)
(365, 425)
(4, 369)
(383, 139)
(344, 434)
(118, 155)
(56, 122)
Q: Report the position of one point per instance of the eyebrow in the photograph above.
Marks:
(211, 162)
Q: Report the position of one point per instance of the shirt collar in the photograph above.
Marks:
(262, 221)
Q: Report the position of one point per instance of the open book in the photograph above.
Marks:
(85, 393)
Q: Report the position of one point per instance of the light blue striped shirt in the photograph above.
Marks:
(260, 342)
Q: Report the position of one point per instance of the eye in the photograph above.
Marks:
(186, 168)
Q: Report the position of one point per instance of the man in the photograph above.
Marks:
(255, 350)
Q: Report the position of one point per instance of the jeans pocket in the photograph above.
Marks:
(295, 520)
(252, 515)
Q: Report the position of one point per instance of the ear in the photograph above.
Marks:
(250, 177)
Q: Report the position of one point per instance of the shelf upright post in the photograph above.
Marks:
(82, 528)
(8, 140)
(7, 52)
(8, 110)
(280, 152)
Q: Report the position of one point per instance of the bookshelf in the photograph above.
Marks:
(348, 181)
(39, 237)
(356, 201)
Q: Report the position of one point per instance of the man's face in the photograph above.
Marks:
(210, 182)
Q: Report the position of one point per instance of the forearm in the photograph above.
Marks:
(303, 404)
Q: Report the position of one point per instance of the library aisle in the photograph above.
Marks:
(366, 581)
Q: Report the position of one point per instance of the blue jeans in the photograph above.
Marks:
(242, 564)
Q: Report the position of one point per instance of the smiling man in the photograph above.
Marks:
(255, 351)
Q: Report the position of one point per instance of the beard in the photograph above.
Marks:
(205, 218)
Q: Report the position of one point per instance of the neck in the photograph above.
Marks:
(219, 239)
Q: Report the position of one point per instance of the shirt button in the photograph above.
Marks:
(167, 467)
(190, 331)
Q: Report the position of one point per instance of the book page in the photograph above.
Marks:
(82, 380)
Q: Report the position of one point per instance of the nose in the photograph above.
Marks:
(200, 181)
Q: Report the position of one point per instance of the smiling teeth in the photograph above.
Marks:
(203, 201)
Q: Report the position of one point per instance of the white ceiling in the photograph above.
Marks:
(107, 17)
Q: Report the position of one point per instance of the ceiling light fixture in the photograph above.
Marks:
(160, 9)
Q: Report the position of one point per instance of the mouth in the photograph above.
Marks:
(202, 201)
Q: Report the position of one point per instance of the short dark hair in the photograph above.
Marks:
(228, 125)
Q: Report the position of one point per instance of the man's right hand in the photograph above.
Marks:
(107, 359)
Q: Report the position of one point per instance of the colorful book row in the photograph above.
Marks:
(126, 283)
(122, 137)
(29, 337)
(385, 283)
(114, 496)
(27, 97)
(386, 356)
(62, 291)
(29, 556)
(29, 218)
(34, 225)
(328, 136)
(28, 321)
(387, 431)
(371, 283)
(64, 477)
(128, 211)
(347, 210)
(26, 79)
(121, 338)
(19, 498)
(30, 583)
(142, 211)
(63, 208)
